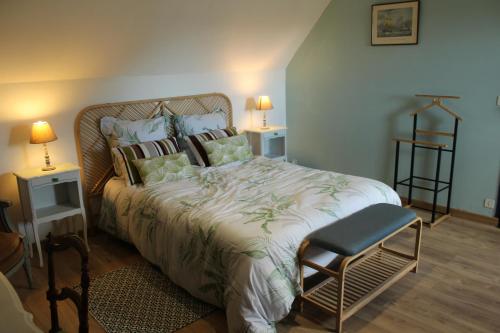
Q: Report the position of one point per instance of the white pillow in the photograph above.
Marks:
(121, 132)
(193, 124)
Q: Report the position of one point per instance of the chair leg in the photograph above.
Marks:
(27, 269)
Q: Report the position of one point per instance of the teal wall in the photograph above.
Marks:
(346, 99)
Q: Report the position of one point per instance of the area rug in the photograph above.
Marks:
(140, 298)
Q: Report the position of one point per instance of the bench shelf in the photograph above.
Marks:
(367, 267)
(364, 279)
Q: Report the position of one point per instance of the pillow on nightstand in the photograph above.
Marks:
(194, 142)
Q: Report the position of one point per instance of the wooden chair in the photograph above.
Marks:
(53, 294)
(14, 251)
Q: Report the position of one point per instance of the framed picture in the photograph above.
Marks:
(395, 23)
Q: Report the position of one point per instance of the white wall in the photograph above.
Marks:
(59, 102)
(62, 40)
(59, 56)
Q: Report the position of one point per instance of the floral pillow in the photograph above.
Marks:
(121, 132)
(193, 124)
(227, 150)
(196, 148)
(163, 169)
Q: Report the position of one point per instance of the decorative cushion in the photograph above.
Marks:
(358, 231)
(125, 155)
(166, 168)
(194, 124)
(194, 142)
(227, 150)
(121, 132)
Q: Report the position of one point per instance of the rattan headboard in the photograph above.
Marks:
(93, 152)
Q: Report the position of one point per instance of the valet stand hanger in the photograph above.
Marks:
(438, 185)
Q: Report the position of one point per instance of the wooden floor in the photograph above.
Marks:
(457, 288)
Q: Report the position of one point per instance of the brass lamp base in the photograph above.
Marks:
(48, 168)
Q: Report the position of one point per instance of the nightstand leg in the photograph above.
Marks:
(38, 245)
(28, 238)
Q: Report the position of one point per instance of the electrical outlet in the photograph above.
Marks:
(489, 203)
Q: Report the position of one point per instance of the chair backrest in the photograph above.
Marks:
(53, 294)
(5, 225)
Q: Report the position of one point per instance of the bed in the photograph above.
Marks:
(230, 235)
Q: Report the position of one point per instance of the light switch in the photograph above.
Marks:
(498, 100)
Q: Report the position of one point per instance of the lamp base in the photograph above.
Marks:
(48, 166)
(264, 121)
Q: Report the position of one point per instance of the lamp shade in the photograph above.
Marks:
(264, 103)
(41, 132)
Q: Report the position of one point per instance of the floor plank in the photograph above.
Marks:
(457, 288)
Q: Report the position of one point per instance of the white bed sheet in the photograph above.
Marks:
(230, 236)
(118, 191)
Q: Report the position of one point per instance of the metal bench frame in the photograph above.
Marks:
(359, 278)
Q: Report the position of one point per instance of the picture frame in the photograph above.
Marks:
(395, 23)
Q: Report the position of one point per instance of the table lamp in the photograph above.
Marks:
(264, 104)
(41, 132)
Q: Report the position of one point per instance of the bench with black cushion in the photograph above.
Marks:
(358, 231)
(367, 267)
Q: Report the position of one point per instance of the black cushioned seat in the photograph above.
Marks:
(362, 229)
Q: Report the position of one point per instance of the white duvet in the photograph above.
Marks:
(230, 235)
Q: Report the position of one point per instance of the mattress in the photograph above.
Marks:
(230, 235)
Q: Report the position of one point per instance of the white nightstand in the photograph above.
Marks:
(269, 142)
(48, 196)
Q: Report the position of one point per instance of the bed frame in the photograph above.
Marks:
(93, 153)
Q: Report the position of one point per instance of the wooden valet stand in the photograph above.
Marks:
(418, 182)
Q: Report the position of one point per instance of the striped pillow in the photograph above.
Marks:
(195, 142)
(125, 155)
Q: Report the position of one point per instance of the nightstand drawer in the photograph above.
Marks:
(274, 134)
(54, 179)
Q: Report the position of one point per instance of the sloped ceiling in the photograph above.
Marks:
(74, 39)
